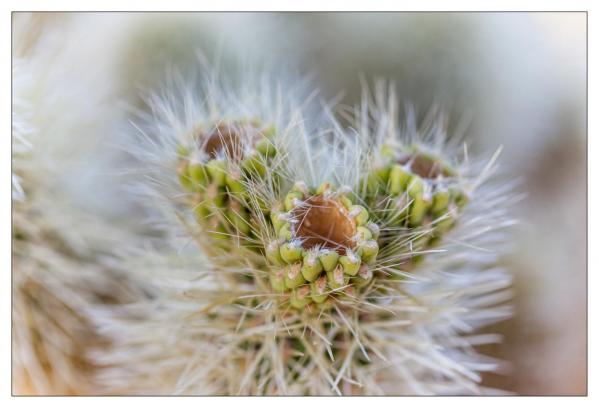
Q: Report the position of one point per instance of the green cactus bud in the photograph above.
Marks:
(273, 254)
(374, 230)
(215, 196)
(234, 184)
(291, 252)
(285, 232)
(336, 278)
(373, 184)
(376, 181)
(363, 277)
(440, 201)
(359, 214)
(364, 234)
(300, 297)
(420, 201)
(328, 259)
(350, 263)
(383, 174)
(346, 202)
(369, 251)
(399, 179)
(293, 276)
(416, 187)
(418, 210)
(217, 169)
(184, 177)
(318, 289)
(277, 280)
(291, 198)
(311, 266)
(198, 174)
(254, 164)
(266, 147)
(278, 219)
(239, 219)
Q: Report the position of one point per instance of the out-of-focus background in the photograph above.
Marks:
(520, 78)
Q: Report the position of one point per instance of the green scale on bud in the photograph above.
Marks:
(216, 166)
(323, 239)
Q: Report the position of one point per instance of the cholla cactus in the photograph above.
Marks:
(311, 305)
(58, 250)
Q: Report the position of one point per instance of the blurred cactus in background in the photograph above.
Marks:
(61, 253)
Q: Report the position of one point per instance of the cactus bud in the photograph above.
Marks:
(198, 174)
(359, 213)
(277, 280)
(318, 289)
(266, 147)
(217, 169)
(254, 164)
(238, 218)
(363, 234)
(234, 184)
(215, 196)
(364, 276)
(369, 251)
(350, 263)
(399, 179)
(299, 297)
(293, 276)
(336, 278)
(291, 252)
(273, 254)
(278, 219)
(440, 201)
(291, 199)
(374, 230)
(184, 177)
(311, 266)
(285, 232)
(329, 259)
